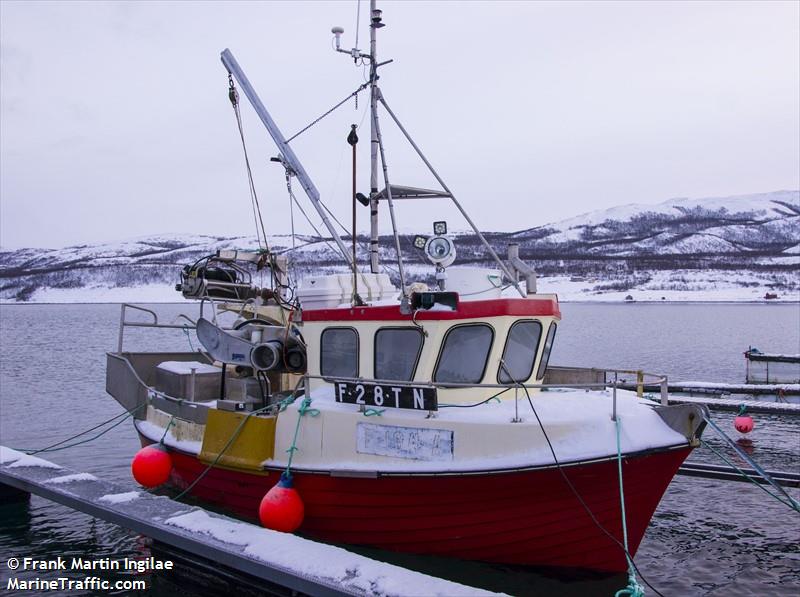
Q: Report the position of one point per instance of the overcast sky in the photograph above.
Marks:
(115, 122)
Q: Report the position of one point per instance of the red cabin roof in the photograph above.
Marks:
(515, 307)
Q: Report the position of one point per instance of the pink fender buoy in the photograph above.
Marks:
(281, 509)
(743, 422)
(151, 466)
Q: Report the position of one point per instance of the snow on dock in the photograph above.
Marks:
(275, 558)
(713, 387)
(732, 404)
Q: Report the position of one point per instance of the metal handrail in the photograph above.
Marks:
(124, 323)
(454, 384)
(450, 385)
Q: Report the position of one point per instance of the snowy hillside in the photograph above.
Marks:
(729, 248)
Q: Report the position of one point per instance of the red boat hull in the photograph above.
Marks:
(529, 517)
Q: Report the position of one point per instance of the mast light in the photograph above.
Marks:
(337, 33)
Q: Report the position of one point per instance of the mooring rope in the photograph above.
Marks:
(188, 336)
(166, 429)
(634, 589)
(303, 410)
(577, 495)
(792, 504)
(278, 407)
(59, 445)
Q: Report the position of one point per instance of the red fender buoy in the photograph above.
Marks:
(152, 466)
(281, 508)
(743, 423)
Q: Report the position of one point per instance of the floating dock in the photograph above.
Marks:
(731, 404)
(726, 473)
(275, 560)
(703, 387)
(765, 367)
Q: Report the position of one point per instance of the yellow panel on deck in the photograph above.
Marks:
(254, 443)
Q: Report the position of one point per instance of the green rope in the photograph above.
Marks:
(284, 404)
(278, 407)
(634, 589)
(302, 411)
(482, 402)
(170, 424)
(374, 412)
(230, 441)
(793, 505)
(188, 336)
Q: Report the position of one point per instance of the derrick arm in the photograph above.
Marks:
(287, 152)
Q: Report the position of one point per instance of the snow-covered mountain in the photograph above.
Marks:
(731, 247)
(762, 222)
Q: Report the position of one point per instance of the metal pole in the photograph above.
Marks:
(286, 151)
(352, 139)
(391, 204)
(664, 391)
(455, 201)
(614, 403)
(374, 264)
(121, 327)
(193, 383)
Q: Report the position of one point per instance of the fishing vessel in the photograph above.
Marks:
(414, 415)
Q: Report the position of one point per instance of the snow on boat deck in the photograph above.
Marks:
(280, 558)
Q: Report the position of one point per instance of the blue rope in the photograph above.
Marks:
(634, 589)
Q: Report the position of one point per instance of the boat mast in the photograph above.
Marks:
(374, 25)
(288, 156)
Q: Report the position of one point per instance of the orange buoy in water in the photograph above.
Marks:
(281, 508)
(151, 466)
(743, 422)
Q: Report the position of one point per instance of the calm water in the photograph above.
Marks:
(707, 537)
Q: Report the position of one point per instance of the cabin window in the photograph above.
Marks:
(396, 353)
(464, 354)
(339, 352)
(548, 346)
(520, 352)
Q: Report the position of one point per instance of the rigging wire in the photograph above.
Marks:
(315, 121)
(305, 215)
(233, 95)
